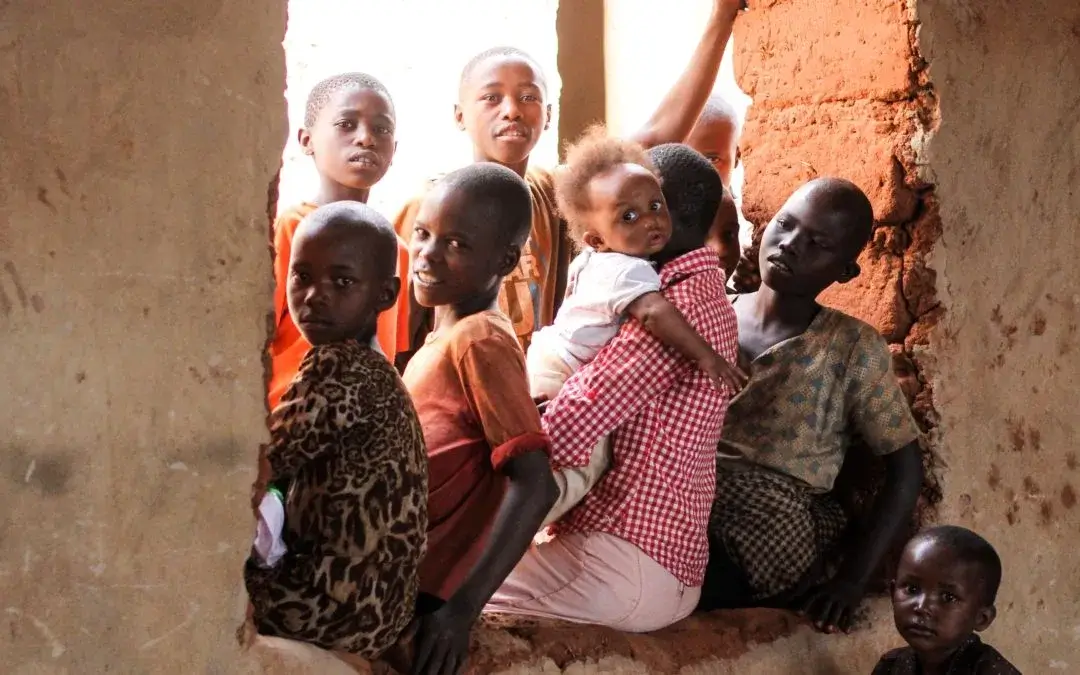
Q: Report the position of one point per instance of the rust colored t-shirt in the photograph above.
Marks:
(289, 347)
(472, 396)
(531, 294)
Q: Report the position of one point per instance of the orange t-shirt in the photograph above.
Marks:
(289, 346)
(531, 294)
(472, 397)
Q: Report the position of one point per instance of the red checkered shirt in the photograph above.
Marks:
(667, 417)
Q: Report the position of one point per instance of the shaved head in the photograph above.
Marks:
(501, 53)
(353, 221)
(842, 199)
(718, 111)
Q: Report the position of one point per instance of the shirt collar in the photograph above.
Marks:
(695, 262)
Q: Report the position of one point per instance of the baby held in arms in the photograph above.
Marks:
(610, 194)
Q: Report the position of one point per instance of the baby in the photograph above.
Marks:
(610, 195)
(944, 593)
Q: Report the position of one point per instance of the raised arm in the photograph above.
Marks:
(680, 108)
(662, 319)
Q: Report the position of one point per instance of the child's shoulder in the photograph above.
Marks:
(294, 214)
(491, 331)
(898, 661)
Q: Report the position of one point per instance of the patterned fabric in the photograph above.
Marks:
(530, 294)
(347, 442)
(811, 395)
(772, 527)
(666, 415)
(972, 658)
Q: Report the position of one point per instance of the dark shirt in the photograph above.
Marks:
(972, 658)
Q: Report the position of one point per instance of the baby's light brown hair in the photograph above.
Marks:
(591, 155)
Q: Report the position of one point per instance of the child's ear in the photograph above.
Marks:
(593, 240)
(509, 260)
(388, 294)
(851, 270)
(459, 117)
(304, 137)
(547, 118)
(985, 617)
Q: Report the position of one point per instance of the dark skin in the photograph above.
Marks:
(812, 243)
(503, 105)
(458, 265)
(353, 144)
(939, 600)
(724, 235)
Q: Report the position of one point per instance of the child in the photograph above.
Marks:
(716, 135)
(632, 555)
(502, 105)
(491, 483)
(610, 195)
(818, 380)
(346, 448)
(944, 594)
(349, 132)
(724, 235)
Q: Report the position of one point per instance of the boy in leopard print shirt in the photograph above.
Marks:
(346, 442)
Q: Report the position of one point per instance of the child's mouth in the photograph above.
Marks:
(425, 279)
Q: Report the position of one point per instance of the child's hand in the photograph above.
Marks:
(832, 606)
(723, 373)
(731, 7)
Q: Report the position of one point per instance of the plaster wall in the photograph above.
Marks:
(138, 140)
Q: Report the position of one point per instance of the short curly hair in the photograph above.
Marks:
(591, 155)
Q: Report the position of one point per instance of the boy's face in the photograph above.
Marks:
(807, 247)
(715, 138)
(333, 292)
(724, 235)
(627, 212)
(456, 257)
(938, 601)
(352, 140)
(502, 107)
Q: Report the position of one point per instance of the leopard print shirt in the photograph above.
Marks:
(346, 440)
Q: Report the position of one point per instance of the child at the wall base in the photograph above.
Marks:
(944, 594)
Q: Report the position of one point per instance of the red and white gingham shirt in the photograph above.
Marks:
(667, 416)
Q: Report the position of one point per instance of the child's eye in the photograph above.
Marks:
(529, 98)
(343, 282)
(783, 224)
(383, 130)
(630, 216)
(456, 244)
(490, 98)
(348, 125)
(302, 277)
(948, 598)
(655, 205)
(911, 589)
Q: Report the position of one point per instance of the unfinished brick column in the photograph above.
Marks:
(839, 89)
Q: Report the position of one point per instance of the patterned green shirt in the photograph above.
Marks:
(809, 397)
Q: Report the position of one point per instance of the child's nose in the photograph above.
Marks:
(364, 137)
(510, 108)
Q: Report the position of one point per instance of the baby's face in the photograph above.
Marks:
(938, 600)
(627, 212)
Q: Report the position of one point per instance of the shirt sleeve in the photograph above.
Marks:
(299, 423)
(492, 372)
(634, 278)
(877, 408)
(284, 229)
(634, 368)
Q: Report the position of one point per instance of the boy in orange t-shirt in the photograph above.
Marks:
(489, 479)
(348, 130)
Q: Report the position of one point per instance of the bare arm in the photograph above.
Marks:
(666, 322)
(443, 637)
(832, 606)
(680, 108)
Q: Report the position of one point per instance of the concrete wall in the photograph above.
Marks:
(138, 141)
(418, 52)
